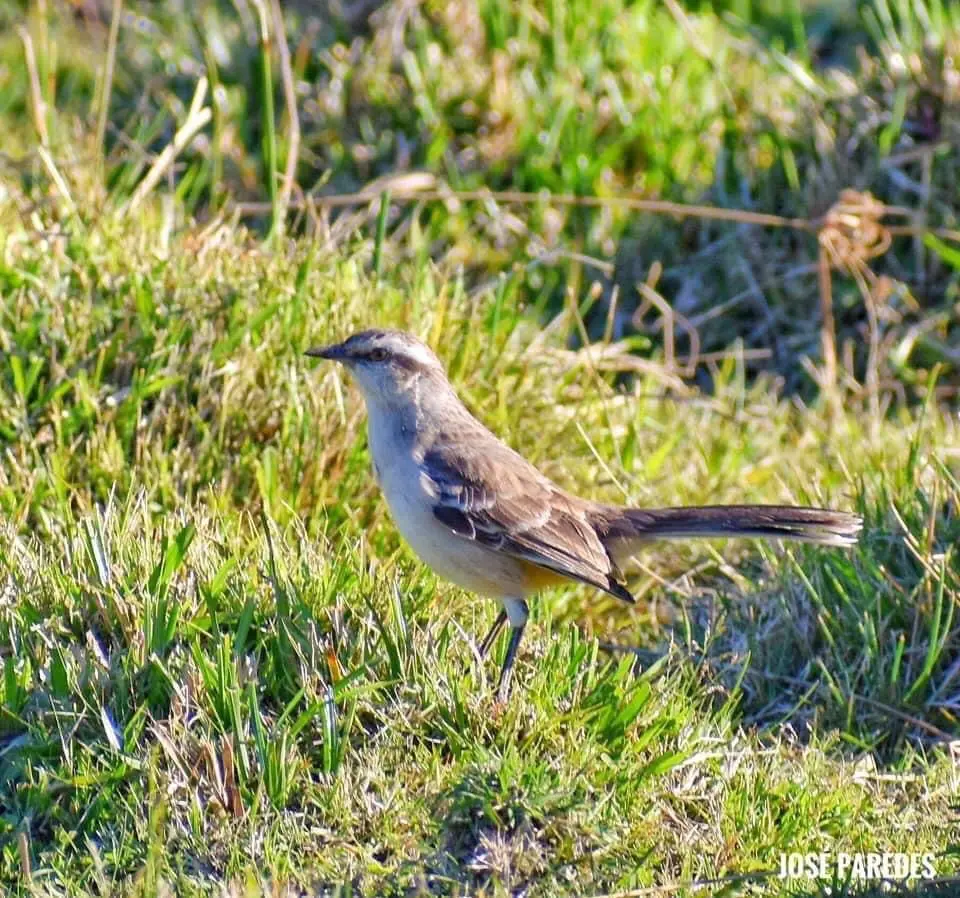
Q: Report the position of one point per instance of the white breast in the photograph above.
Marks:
(408, 496)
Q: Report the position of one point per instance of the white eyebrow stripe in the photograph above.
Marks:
(420, 353)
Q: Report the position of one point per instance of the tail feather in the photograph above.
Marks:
(625, 526)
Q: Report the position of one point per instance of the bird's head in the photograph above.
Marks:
(385, 363)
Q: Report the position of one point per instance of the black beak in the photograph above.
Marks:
(335, 352)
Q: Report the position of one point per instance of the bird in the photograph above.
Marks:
(484, 518)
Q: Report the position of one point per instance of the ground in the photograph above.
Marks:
(223, 673)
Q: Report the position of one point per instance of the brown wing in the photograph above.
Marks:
(486, 492)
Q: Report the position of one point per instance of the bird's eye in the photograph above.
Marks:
(378, 354)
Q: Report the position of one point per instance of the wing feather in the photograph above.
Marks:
(498, 499)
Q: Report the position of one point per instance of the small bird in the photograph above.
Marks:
(486, 519)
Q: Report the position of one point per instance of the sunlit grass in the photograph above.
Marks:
(210, 623)
(221, 668)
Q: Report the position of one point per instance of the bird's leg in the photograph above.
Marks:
(503, 686)
(492, 635)
(516, 611)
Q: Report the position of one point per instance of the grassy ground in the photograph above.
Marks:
(222, 671)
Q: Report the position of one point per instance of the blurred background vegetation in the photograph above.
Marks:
(219, 663)
(772, 106)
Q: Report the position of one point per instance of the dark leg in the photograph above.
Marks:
(492, 635)
(503, 687)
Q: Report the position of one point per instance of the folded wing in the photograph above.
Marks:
(498, 499)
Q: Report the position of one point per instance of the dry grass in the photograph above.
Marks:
(223, 673)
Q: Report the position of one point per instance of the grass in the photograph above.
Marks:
(222, 671)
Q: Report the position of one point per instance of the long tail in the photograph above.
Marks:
(622, 527)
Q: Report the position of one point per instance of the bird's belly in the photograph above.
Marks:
(463, 562)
